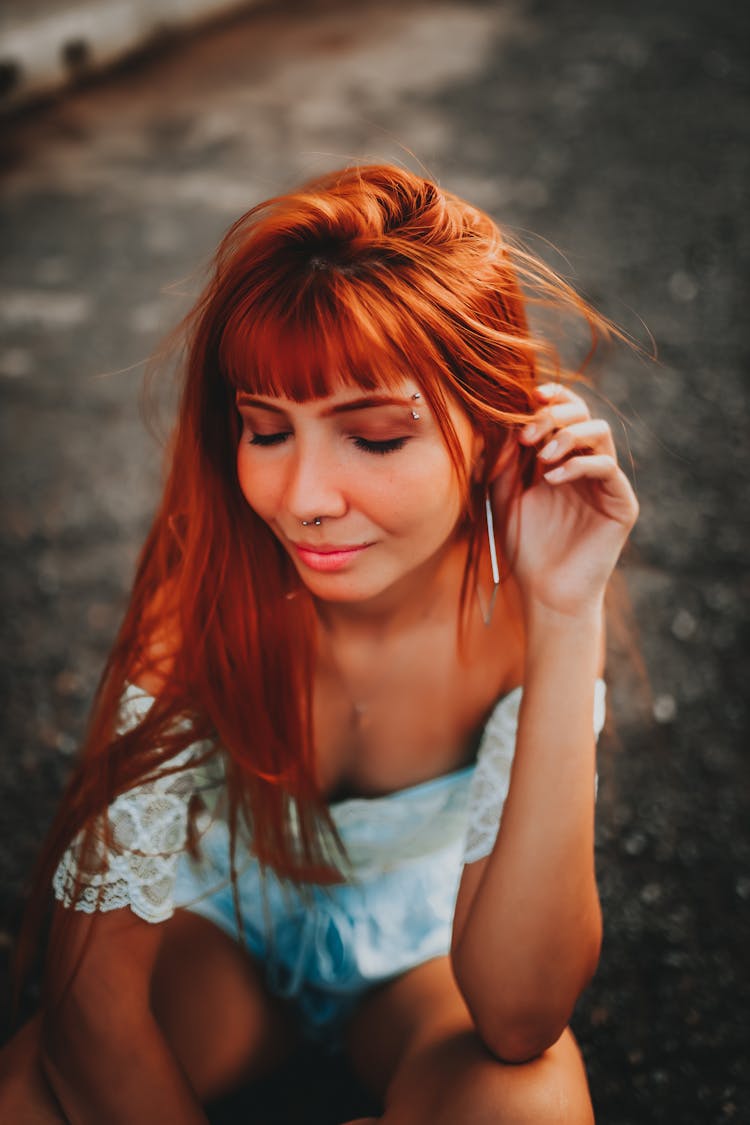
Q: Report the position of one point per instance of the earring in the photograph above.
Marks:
(487, 614)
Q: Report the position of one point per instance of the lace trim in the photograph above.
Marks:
(489, 785)
(147, 827)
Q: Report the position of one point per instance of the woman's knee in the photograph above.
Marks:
(550, 1090)
(415, 1044)
(459, 1080)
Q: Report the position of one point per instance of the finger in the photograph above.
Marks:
(590, 466)
(594, 435)
(551, 391)
(619, 500)
(552, 418)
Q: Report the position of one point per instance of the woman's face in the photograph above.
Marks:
(359, 487)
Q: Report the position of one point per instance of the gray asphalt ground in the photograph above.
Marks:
(615, 131)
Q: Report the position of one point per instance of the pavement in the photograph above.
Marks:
(48, 45)
(617, 134)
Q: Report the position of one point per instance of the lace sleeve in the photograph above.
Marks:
(489, 786)
(147, 827)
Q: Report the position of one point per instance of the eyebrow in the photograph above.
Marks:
(367, 403)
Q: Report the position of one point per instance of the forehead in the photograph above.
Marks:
(342, 398)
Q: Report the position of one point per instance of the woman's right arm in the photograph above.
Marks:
(102, 1050)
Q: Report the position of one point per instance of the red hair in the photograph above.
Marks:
(360, 276)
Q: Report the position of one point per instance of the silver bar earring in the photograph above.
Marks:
(487, 614)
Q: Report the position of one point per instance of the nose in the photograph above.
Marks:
(315, 484)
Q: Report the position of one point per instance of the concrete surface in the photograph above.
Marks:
(615, 131)
(46, 45)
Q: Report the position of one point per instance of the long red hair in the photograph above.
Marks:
(362, 275)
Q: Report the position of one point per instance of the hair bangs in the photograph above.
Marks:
(331, 336)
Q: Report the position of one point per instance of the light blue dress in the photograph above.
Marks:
(321, 948)
(325, 946)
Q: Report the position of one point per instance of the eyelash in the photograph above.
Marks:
(268, 439)
(391, 445)
(381, 447)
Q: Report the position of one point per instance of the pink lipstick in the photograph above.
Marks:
(326, 558)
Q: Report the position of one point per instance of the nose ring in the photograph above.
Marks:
(317, 522)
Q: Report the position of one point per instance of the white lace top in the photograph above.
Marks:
(148, 826)
(149, 823)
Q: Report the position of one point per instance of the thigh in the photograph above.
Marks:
(414, 1044)
(213, 1006)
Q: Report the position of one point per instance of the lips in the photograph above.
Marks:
(327, 557)
(329, 548)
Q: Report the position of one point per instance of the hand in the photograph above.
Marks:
(565, 533)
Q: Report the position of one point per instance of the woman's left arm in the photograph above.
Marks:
(527, 927)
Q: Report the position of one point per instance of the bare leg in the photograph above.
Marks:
(214, 1009)
(215, 1013)
(413, 1042)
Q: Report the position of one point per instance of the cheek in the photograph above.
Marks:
(243, 476)
(254, 486)
(426, 502)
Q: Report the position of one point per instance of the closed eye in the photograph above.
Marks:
(269, 439)
(367, 445)
(382, 447)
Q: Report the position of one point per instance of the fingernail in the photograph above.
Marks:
(549, 451)
(555, 474)
(548, 388)
(529, 432)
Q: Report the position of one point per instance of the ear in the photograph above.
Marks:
(503, 458)
(504, 475)
(506, 457)
(477, 457)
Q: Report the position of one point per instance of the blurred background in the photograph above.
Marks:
(613, 136)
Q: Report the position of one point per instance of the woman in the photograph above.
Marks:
(375, 583)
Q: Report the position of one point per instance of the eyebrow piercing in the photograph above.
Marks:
(416, 396)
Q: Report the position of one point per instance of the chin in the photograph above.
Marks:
(342, 589)
(340, 594)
